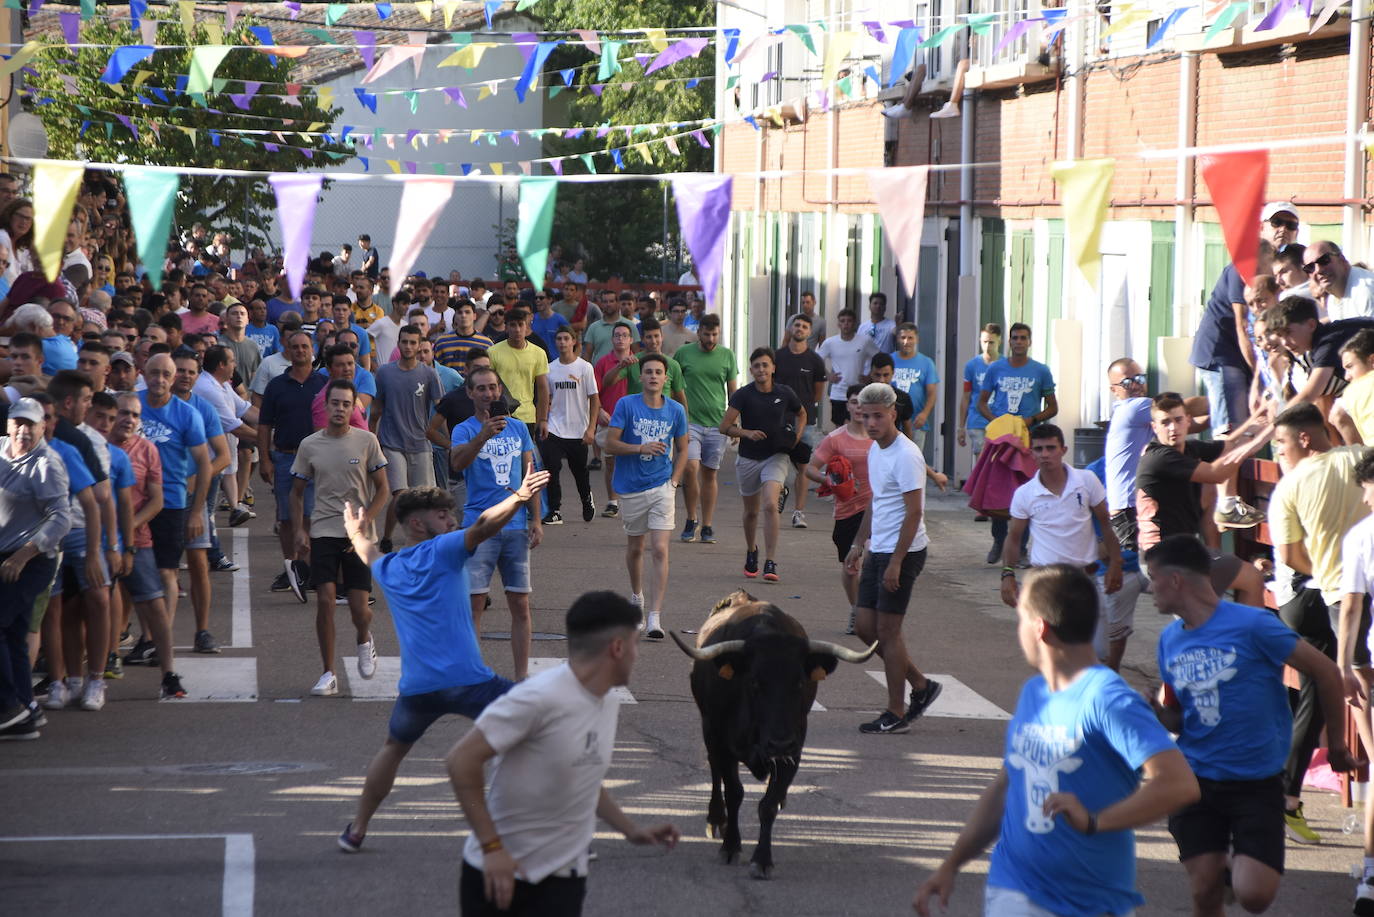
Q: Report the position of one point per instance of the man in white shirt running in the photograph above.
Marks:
(574, 406)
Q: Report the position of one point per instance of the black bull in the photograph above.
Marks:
(754, 682)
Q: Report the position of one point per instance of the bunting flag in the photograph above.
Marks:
(945, 35)
(1226, 20)
(205, 60)
(1237, 183)
(836, 50)
(533, 67)
(702, 200)
(1275, 15)
(535, 225)
(590, 39)
(1169, 22)
(610, 65)
(187, 10)
(1329, 9)
(1085, 187)
(679, 50)
(297, 194)
(903, 53)
(152, 196)
(1127, 18)
(398, 54)
(367, 47)
(489, 8)
(123, 60)
(901, 196)
(54, 194)
(1012, 34)
(20, 58)
(231, 13)
(422, 201)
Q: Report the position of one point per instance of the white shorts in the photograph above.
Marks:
(1120, 605)
(649, 510)
(1007, 902)
(752, 474)
(408, 469)
(705, 444)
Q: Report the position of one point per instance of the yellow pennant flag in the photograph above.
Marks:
(20, 58)
(324, 95)
(425, 9)
(498, 168)
(1124, 19)
(187, 9)
(141, 77)
(395, 166)
(54, 194)
(1085, 187)
(484, 92)
(215, 30)
(658, 38)
(314, 126)
(468, 57)
(450, 7)
(836, 50)
(474, 136)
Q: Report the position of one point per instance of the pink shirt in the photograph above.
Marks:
(319, 414)
(854, 448)
(205, 323)
(147, 465)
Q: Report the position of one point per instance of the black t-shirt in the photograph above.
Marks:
(457, 406)
(1327, 341)
(1168, 502)
(774, 412)
(800, 372)
(72, 435)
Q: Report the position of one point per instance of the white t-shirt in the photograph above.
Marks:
(570, 385)
(440, 320)
(1358, 301)
(884, 334)
(892, 472)
(384, 332)
(848, 358)
(270, 368)
(553, 740)
(1063, 524)
(1357, 562)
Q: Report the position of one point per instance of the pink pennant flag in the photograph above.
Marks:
(703, 211)
(671, 144)
(525, 166)
(231, 14)
(901, 196)
(590, 39)
(422, 202)
(147, 28)
(397, 55)
(297, 194)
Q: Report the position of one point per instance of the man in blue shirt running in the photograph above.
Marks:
(425, 586)
(1073, 749)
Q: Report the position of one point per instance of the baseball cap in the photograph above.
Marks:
(1278, 207)
(27, 409)
(122, 356)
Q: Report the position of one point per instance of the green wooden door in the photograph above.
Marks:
(992, 288)
(1055, 275)
(1161, 294)
(1022, 275)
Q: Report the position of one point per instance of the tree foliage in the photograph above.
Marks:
(85, 124)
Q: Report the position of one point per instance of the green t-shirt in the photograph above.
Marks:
(674, 378)
(705, 374)
(598, 337)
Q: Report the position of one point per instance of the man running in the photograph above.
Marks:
(574, 407)
(708, 372)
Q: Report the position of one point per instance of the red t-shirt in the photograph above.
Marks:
(612, 393)
(205, 323)
(839, 442)
(147, 465)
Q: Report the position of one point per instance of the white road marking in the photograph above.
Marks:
(956, 700)
(540, 663)
(236, 896)
(242, 597)
(224, 680)
(816, 707)
(382, 686)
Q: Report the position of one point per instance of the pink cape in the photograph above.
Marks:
(1004, 465)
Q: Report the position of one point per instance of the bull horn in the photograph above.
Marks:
(707, 653)
(843, 653)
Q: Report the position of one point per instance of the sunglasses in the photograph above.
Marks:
(1323, 261)
(540, 298)
(1281, 223)
(497, 313)
(1138, 379)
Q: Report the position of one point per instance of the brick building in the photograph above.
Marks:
(1080, 96)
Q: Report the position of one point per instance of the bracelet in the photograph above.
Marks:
(1007, 568)
(494, 845)
(1008, 573)
(1088, 831)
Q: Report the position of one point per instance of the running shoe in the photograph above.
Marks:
(37, 717)
(23, 730)
(922, 699)
(1295, 823)
(770, 571)
(93, 698)
(1364, 897)
(13, 713)
(248, 498)
(281, 583)
(588, 510)
(751, 563)
(689, 531)
(612, 510)
(297, 575)
(224, 565)
(887, 723)
(240, 515)
(327, 686)
(594, 465)
(114, 668)
(40, 690)
(707, 536)
(655, 629)
(849, 628)
(798, 519)
(126, 639)
(171, 686)
(782, 499)
(143, 653)
(553, 518)
(57, 697)
(367, 658)
(1241, 516)
(350, 842)
(205, 643)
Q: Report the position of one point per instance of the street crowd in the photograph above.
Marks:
(418, 438)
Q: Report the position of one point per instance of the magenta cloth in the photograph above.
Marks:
(297, 195)
(1004, 465)
(1320, 776)
(703, 211)
(678, 50)
(319, 414)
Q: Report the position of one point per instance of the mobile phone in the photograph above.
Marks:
(499, 409)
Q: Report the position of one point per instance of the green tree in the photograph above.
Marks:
(619, 227)
(84, 124)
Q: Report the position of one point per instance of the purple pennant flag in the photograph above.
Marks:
(526, 42)
(367, 47)
(297, 195)
(271, 147)
(245, 98)
(678, 50)
(557, 166)
(644, 59)
(456, 95)
(124, 120)
(1017, 29)
(601, 132)
(308, 154)
(596, 89)
(574, 133)
(411, 135)
(35, 6)
(876, 30)
(703, 212)
(904, 23)
(701, 139)
(1276, 13)
(71, 27)
(294, 7)
(410, 167)
(768, 76)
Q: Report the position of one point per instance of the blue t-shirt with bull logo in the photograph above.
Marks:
(1089, 739)
(1018, 390)
(498, 468)
(639, 423)
(1228, 675)
(912, 375)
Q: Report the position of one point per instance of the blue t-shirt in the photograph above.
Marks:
(1215, 343)
(175, 428)
(1088, 739)
(1228, 675)
(1017, 390)
(498, 466)
(209, 418)
(546, 328)
(912, 376)
(449, 378)
(426, 588)
(78, 475)
(121, 476)
(58, 353)
(974, 371)
(1127, 435)
(267, 338)
(277, 307)
(639, 423)
(363, 380)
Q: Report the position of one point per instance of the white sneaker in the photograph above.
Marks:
(327, 686)
(57, 696)
(76, 690)
(1364, 897)
(93, 698)
(798, 519)
(655, 630)
(637, 600)
(367, 658)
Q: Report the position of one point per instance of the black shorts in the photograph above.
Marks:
(333, 560)
(844, 533)
(168, 529)
(871, 591)
(1362, 658)
(1126, 529)
(839, 413)
(1241, 815)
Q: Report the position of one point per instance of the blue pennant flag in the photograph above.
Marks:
(383, 10)
(368, 99)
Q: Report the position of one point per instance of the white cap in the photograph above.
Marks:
(1278, 207)
(26, 409)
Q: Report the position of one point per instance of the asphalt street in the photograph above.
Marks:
(230, 801)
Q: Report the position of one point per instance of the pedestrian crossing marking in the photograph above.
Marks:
(540, 663)
(956, 700)
(381, 686)
(225, 681)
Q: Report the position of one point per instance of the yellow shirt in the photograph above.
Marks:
(518, 369)
(1317, 503)
(1358, 401)
(366, 317)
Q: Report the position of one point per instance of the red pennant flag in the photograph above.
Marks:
(1237, 182)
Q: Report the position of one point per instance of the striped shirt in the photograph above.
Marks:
(452, 350)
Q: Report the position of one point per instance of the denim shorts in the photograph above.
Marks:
(414, 713)
(508, 551)
(282, 480)
(72, 575)
(203, 541)
(705, 444)
(144, 580)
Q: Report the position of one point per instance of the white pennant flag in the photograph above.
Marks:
(422, 201)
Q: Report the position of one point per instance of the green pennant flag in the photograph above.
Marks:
(804, 33)
(152, 196)
(218, 85)
(846, 86)
(87, 9)
(15, 5)
(982, 23)
(942, 36)
(524, 5)
(333, 13)
(460, 39)
(610, 65)
(555, 90)
(376, 136)
(732, 82)
(321, 34)
(535, 225)
(439, 169)
(413, 98)
(205, 60)
(585, 157)
(1225, 20)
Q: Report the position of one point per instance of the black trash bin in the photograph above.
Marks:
(1089, 445)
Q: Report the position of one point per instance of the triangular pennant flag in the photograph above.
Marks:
(981, 23)
(205, 60)
(54, 194)
(469, 57)
(147, 30)
(455, 94)
(395, 56)
(231, 13)
(731, 43)
(383, 10)
(703, 213)
(1237, 182)
(186, 9)
(137, 9)
(535, 223)
(324, 95)
(588, 162)
(837, 48)
(658, 39)
(425, 8)
(525, 43)
(422, 202)
(297, 195)
(122, 60)
(368, 99)
(87, 9)
(901, 196)
(610, 65)
(590, 39)
(1168, 23)
(71, 28)
(679, 50)
(449, 7)
(804, 33)
(534, 66)
(1128, 18)
(902, 54)
(152, 196)
(1017, 29)
(333, 12)
(1085, 186)
(1226, 19)
(489, 8)
(1329, 9)
(367, 47)
(942, 36)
